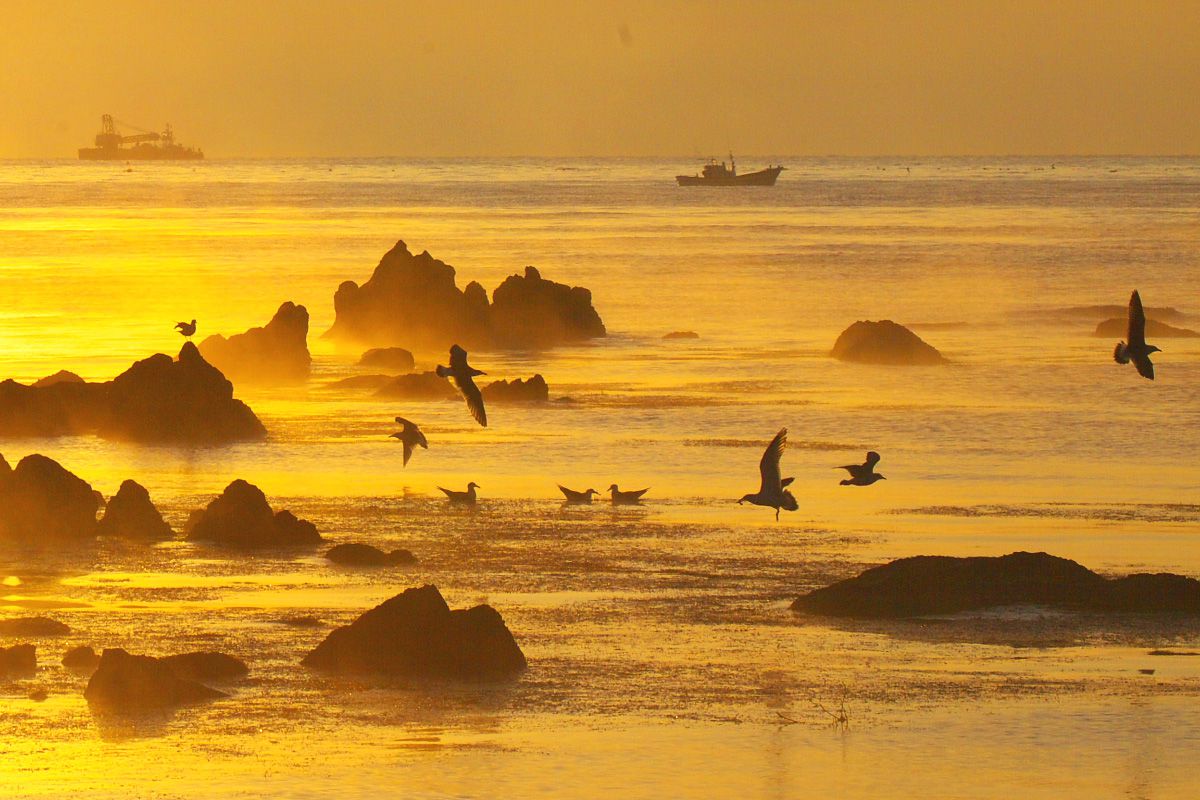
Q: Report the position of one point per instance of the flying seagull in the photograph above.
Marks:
(620, 498)
(463, 375)
(1136, 349)
(577, 498)
(410, 436)
(186, 329)
(863, 474)
(771, 492)
(466, 498)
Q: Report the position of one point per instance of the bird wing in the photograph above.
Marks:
(458, 359)
(408, 448)
(872, 460)
(474, 398)
(768, 467)
(420, 439)
(636, 495)
(448, 493)
(786, 482)
(567, 493)
(1120, 354)
(404, 423)
(1144, 367)
(180, 325)
(1137, 323)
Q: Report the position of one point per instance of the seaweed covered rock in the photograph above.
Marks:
(126, 683)
(924, 585)
(241, 517)
(415, 633)
(206, 666)
(18, 661)
(354, 554)
(275, 354)
(1117, 327)
(130, 514)
(33, 626)
(529, 311)
(81, 659)
(417, 386)
(532, 390)
(393, 358)
(884, 342)
(40, 499)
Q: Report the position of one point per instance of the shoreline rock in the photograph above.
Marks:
(886, 343)
(131, 514)
(530, 390)
(1116, 328)
(40, 499)
(274, 354)
(202, 666)
(128, 683)
(18, 661)
(33, 626)
(364, 555)
(242, 518)
(417, 386)
(681, 335)
(81, 659)
(394, 358)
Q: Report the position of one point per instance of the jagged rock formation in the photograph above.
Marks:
(415, 633)
(364, 555)
(417, 386)
(1117, 327)
(128, 683)
(41, 500)
(130, 514)
(33, 626)
(157, 400)
(242, 518)
(923, 585)
(394, 358)
(415, 300)
(18, 661)
(884, 342)
(276, 354)
(532, 390)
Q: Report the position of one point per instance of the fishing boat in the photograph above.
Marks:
(715, 173)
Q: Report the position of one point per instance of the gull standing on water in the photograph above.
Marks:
(186, 329)
(577, 498)
(771, 492)
(463, 375)
(410, 437)
(1136, 349)
(620, 498)
(863, 474)
(466, 498)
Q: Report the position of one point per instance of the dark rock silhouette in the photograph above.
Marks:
(158, 400)
(415, 633)
(41, 500)
(33, 626)
(206, 666)
(394, 358)
(884, 342)
(370, 382)
(241, 517)
(681, 335)
(532, 390)
(5, 468)
(415, 300)
(62, 376)
(1091, 312)
(924, 585)
(18, 661)
(417, 386)
(275, 354)
(130, 514)
(129, 683)
(1117, 327)
(364, 555)
(81, 659)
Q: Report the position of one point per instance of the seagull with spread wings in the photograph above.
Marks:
(1136, 349)
(410, 436)
(772, 492)
(464, 377)
(863, 474)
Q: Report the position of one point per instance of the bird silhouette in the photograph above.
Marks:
(467, 498)
(771, 491)
(631, 498)
(863, 474)
(577, 498)
(464, 375)
(410, 436)
(1135, 348)
(186, 329)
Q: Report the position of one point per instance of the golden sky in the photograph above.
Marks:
(544, 77)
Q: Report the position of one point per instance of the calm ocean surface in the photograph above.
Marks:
(663, 658)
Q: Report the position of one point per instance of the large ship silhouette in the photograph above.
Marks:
(717, 174)
(146, 145)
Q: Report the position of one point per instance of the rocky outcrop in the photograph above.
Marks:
(884, 342)
(242, 518)
(415, 300)
(415, 633)
(393, 358)
(131, 515)
(33, 626)
(364, 555)
(18, 661)
(417, 386)
(125, 683)
(157, 400)
(81, 659)
(359, 382)
(1117, 327)
(62, 376)
(922, 585)
(533, 390)
(276, 354)
(41, 500)
(206, 666)
(681, 335)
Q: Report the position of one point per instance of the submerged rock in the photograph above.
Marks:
(681, 335)
(364, 555)
(276, 354)
(130, 514)
(206, 666)
(129, 683)
(241, 517)
(395, 358)
(18, 661)
(81, 659)
(923, 585)
(884, 342)
(418, 386)
(40, 499)
(33, 626)
(415, 633)
(1117, 328)
(532, 390)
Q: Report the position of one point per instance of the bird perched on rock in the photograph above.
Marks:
(620, 498)
(186, 329)
(464, 375)
(1136, 349)
(771, 491)
(577, 498)
(410, 436)
(863, 474)
(467, 498)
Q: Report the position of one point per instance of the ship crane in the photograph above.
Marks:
(146, 144)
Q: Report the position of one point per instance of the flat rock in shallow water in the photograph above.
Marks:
(18, 661)
(396, 358)
(131, 515)
(681, 335)
(922, 585)
(364, 555)
(241, 517)
(129, 683)
(415, 633)
(206, 666)
(884, 342)
(33, 626)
